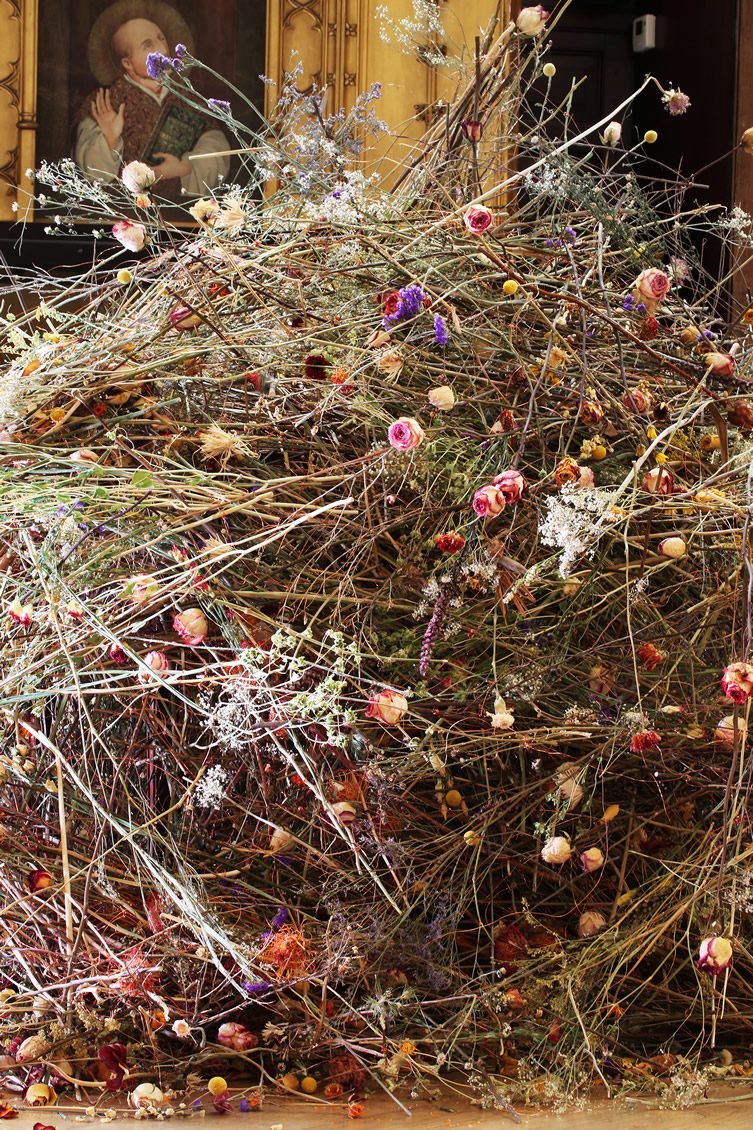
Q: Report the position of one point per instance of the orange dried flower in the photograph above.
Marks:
(650, 656)
(286, 950)
(355, 1110)
(333, 1091)
(566, 471)
(339, 376)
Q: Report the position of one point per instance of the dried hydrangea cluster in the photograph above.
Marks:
(370, 563)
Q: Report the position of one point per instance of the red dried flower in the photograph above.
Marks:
(644, 740)
(254, 378)
(649, 328)
(451, 542)
(315, 367)
(650, 656)
(39, 880)
(391, 303)
(113, 1058)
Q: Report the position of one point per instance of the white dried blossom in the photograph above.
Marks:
(574, 522)
(210, 791)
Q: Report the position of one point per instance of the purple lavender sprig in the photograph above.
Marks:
(436, 624)
(441, 335)
(410, 302)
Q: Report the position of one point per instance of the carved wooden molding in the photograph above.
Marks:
(18, 97)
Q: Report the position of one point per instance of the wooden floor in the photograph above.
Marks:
(734, 1112)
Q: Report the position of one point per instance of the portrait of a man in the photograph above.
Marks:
(131, 115)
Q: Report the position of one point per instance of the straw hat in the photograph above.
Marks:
(99, 48)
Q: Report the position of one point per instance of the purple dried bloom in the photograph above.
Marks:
(279, 918)
(435, 625)
(441, 336)
(256, 986)
(157, 64)
(243, 1106)
(410, 302)
(180, 50)
(218, 104)
(571, 232)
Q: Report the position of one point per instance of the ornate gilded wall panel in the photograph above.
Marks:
(338, 42)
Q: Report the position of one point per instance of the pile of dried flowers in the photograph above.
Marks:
(371, 560)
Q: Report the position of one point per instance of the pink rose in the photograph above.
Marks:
(651, 288)
(489, 501)
(720, 364)
(737, 682)
(191, 625)
(157, 662)
(387, 706)
(236, 1036)
(658, 481)
(715, 955)
(512, 484)
(132, 236)
(477, 219)
(531, 20)
(405, 434)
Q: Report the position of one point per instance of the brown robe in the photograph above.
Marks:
(142, 114)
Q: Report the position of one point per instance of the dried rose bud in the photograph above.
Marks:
(488, 501)
(345, 812)
(83, 455)
(146, 1094)
(649, 328)
(658, 481)
(737, 682)
(387, 706)
(21, 613)
(673, 547)
(442, 397)
(236, 1036)
(715, 955)
(39, 880)
(725, 730)
(638, 400)
(191, 625)
(720, 364)
(33, 1047)
(473, 129)
(567, 471)
(512, 484)
(513, 998)
(141, 588)
(182, 318)
(557, 849)
(591, 413)
(158, 664)
(590, 923)
(116, 653)
(741, 415)
(600, 680)
(592, 859)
